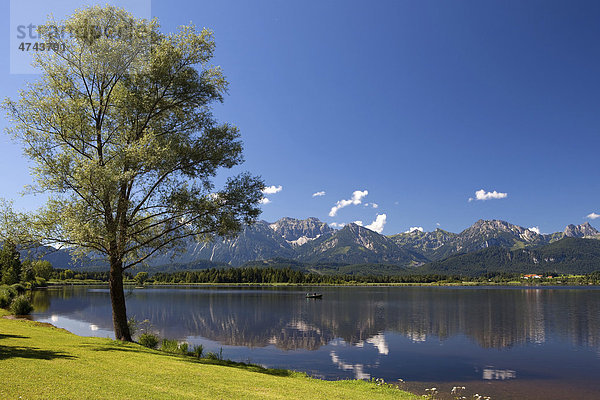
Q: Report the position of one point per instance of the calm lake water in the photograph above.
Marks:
(504, 342)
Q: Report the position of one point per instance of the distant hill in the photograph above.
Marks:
(568, 255)
(424, 243)
(354, 244)
(440, 244)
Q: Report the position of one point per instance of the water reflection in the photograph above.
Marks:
(358, 369)
(498, 374)
(492, 335)
(494, 318)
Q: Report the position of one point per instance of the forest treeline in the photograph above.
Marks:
(270, 275)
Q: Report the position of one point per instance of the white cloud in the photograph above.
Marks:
(535, 229)
(272, 189)
(593, 215)
(264, 200)
(415, 228)
(483, 195)
(336, 225)
(356, 199)
(378, 224)
(359, 223)
(317, 194)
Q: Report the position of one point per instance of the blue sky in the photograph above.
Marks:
(419, 103)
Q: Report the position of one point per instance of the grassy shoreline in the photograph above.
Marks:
(42, 361)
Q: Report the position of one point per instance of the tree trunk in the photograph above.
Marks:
(117, 299)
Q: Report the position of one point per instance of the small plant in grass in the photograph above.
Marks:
(169, 346)
(149, 340)
(215, 356)
(457, 392)
(381, 382)
(21, 306)
(197, 351)
(431, 393)
(133, 325)
(183, 348)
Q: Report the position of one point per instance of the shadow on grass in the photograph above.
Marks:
(112, 345)
(122, 346)
(248, 367)
(3, 336)
(112, 348)
(7, 352)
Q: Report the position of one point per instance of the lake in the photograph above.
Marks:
(503, 342)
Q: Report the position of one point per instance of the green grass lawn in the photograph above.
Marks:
(40, 361)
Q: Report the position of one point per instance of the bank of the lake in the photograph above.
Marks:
(523, 284)
(41, 361)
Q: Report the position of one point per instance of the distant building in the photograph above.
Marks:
(532, 276)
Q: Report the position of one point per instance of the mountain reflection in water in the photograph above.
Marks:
(494, 318)
(413, 333)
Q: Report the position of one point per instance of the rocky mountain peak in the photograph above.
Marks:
(352, 227)
(579, 231)
(292, 229)
(493, 225)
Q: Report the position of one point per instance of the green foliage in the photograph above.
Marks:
(10, 263)
(171, 346)
(21, 306)
(120, 132)
(215, 356)
(133, 154)
(42, 269)
(7, 294)
(132, 324)
(289, 275)
(18, 288)
(198, 351)
(64, 275)
(149, 340)
(27, 274)
(141, 278)
(183, 348)
(40, 282)
(5, 300)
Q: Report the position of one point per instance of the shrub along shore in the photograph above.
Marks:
(41, 361)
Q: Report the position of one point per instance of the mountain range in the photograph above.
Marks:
(312, 242)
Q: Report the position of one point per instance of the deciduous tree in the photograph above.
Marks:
(10, 263)
(121, 134)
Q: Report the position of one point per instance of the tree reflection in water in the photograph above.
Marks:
(414, 333)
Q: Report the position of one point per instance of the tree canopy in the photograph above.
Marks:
(121, 134)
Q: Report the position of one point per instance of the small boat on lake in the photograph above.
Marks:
(314, 295)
